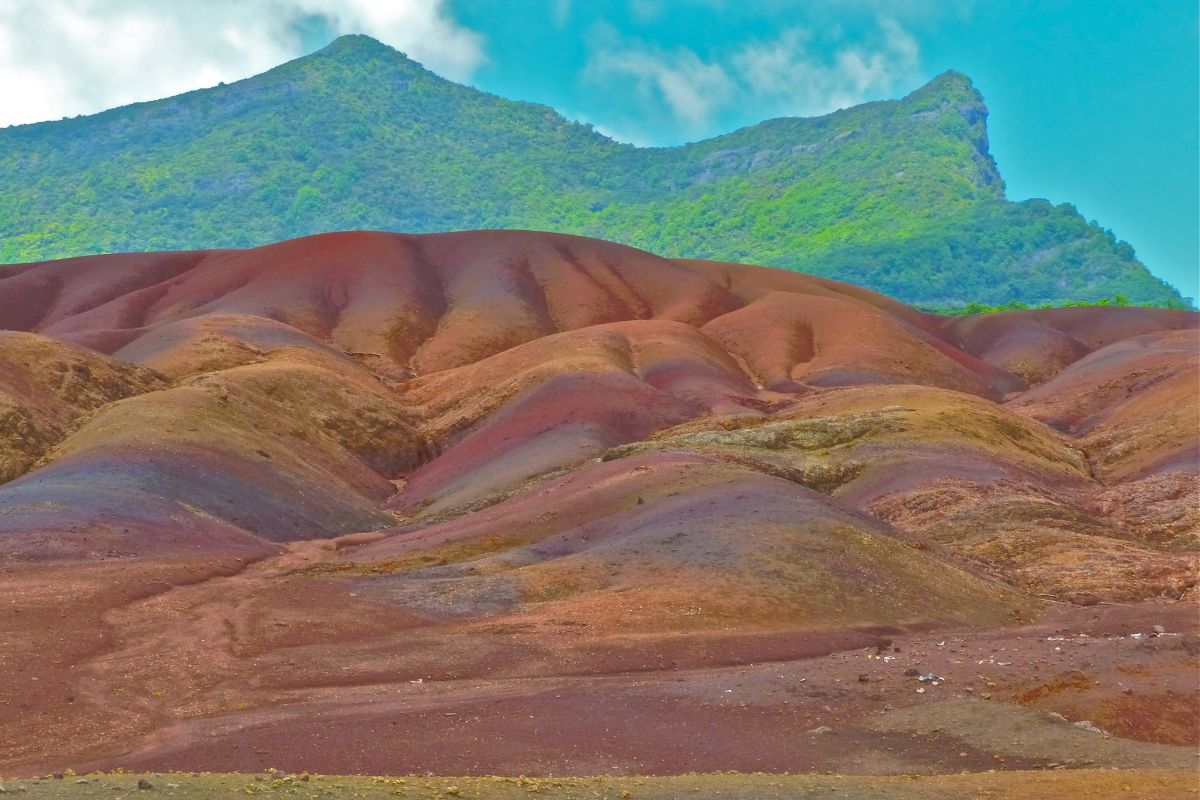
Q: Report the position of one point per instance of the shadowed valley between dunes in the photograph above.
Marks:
(522, 503)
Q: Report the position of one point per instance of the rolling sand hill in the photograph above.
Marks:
(521, 503)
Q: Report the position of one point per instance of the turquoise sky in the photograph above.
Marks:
(1093, 103)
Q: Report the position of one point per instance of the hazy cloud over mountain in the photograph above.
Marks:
(788, 75)
(66, 57)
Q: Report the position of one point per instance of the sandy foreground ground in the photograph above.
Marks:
(1143, 784)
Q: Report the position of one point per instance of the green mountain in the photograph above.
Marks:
(901, 196)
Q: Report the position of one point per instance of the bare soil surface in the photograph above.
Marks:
(512, 503)
(267, 667)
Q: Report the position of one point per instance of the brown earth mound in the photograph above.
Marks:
(306, 504)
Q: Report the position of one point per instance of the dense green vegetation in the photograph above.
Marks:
(975, 307)
(901, 196)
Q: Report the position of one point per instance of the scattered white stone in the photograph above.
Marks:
(1086, 725)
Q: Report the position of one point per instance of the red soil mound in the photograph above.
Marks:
(1132, 402)
(1037, 344)
(437, 374)
(338, 464)
(46, 386)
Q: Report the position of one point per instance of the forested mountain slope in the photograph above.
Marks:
(901, 196)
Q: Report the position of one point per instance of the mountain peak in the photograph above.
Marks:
(952, 79)
(359, 60)
(952, 86)
(953, 92)
(358, 47)
(356, 42)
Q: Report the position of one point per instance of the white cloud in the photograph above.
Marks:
(66, 57)
(788, 76)
(690, 88)
(801, 72)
